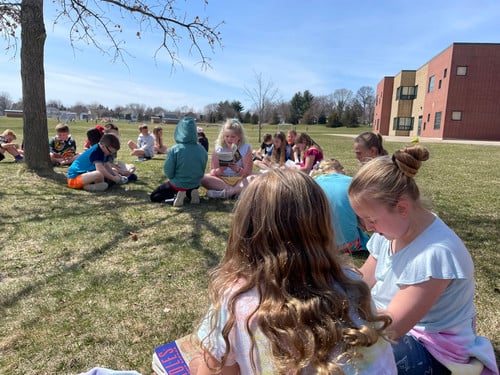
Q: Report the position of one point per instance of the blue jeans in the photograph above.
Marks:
(412, 358)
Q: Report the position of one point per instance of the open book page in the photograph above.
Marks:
(291, 164)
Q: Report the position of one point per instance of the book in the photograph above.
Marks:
(291, 164)
(225, 158)
(173, 357)
(223, 163)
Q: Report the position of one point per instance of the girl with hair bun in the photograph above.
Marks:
(282, 300)
(419, 271)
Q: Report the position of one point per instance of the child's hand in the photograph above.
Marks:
(235, 167)
(123, 180)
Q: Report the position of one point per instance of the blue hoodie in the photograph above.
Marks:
(187, 159)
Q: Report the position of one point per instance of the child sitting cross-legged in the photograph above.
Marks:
(62, 147)
(90, 169)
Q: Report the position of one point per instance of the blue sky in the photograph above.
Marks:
(316, 45)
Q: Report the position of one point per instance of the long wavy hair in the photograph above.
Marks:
(307, 141)
(234, 125)
(282, 245)
(278, 155)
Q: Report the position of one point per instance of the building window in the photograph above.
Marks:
(431, 84)
(406, 92)
(456, 115)
(461, 70)
(437, 120)
(445, 73)
(439, 84)
(403, 123)
(428, 117)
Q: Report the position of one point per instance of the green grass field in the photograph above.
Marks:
(76, 291)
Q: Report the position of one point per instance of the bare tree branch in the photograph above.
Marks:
(262, 95)
(90, 17)
(89, 20)
(10, 19)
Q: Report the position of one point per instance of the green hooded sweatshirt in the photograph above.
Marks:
(187, 159)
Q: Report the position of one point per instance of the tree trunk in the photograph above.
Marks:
(35, 132)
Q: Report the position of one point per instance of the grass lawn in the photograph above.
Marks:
(77, 291)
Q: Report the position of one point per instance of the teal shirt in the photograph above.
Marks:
(187, 159)
(344, 219)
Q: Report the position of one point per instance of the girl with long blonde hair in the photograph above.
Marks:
(229, 176)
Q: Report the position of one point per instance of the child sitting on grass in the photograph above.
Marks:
(62, 147)
(144, 149)
(90, 169)
(267, 143)
(6, 145)
(184, 167)
(419, 271)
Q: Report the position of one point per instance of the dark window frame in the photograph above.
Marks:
(437, 120)
(406, 92)
(453, 117)
(403, 123)
(465, 69)
(431, 84)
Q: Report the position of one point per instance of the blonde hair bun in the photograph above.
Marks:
(409, 159)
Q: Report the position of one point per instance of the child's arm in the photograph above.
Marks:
(9, 145)
(296, 154)
(215, 168)
(411, 303)
(247, 165)
(198, 366)
(104, 169)
(308, 163)
(368, 271)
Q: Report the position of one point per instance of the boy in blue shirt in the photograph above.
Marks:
(90, 169)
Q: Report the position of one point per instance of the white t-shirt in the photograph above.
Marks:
(376, 359)
(436, 253)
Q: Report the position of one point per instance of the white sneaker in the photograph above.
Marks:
(99, 186)
(195, 196)
(218, 194)
(179, 199)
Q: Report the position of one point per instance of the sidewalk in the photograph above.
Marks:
(391, 138)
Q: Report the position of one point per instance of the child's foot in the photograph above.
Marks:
(217, 194)
(195, 196)
(19, 159)
(100, 186)
(179, 199)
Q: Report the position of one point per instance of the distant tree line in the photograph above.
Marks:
(340, 108)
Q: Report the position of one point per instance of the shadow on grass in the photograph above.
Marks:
(63, 204)
(34, 286)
